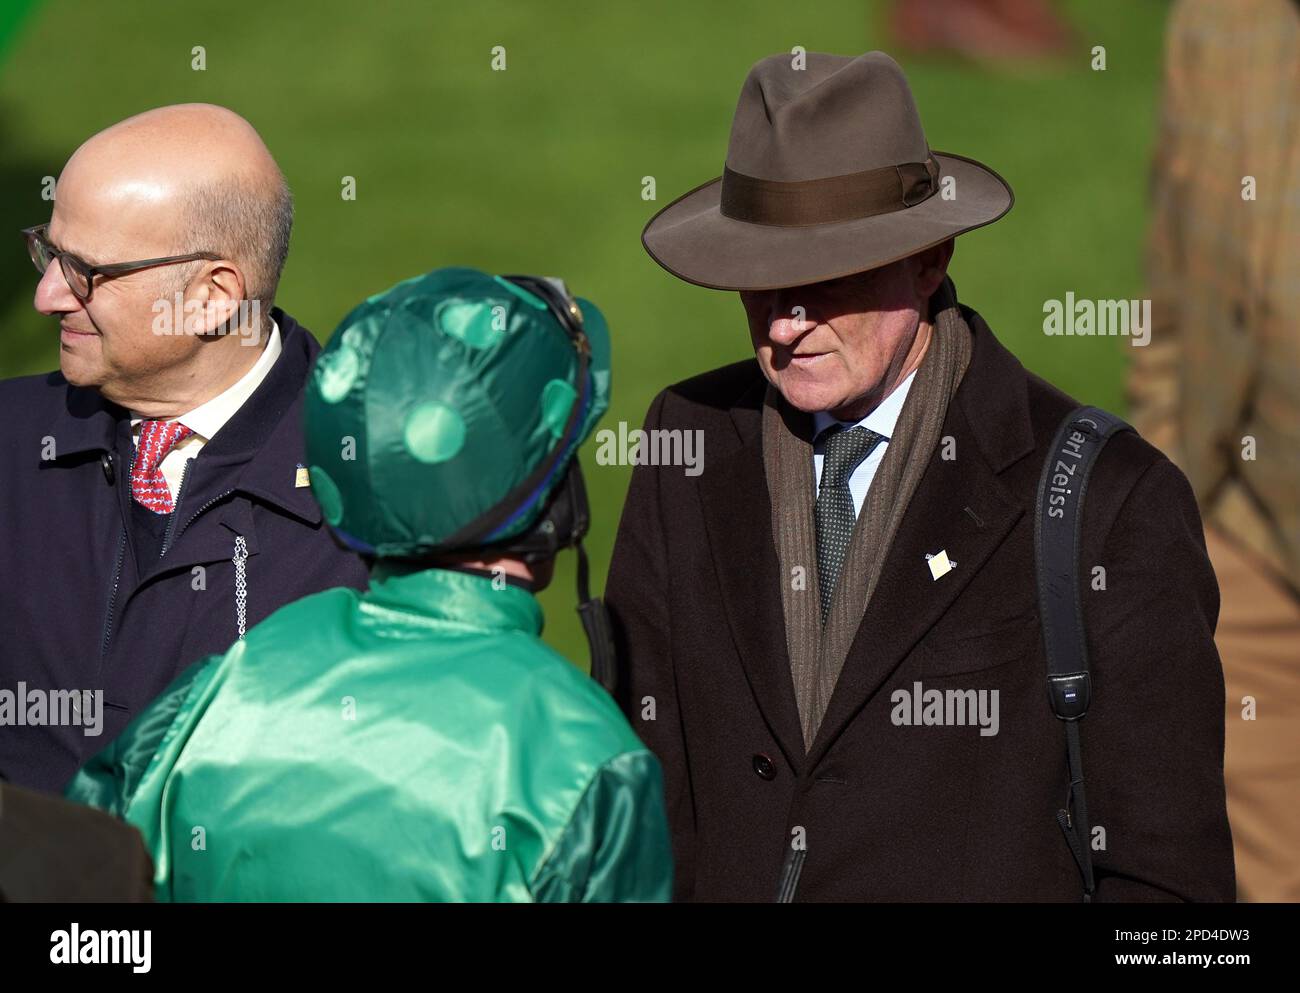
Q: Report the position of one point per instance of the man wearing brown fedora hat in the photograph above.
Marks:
(810, 631)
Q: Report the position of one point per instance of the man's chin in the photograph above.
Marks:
(809, 397)
(77, 371)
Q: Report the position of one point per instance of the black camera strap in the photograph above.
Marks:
(1057, 530)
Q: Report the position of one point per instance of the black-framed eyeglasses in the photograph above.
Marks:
(80, 274)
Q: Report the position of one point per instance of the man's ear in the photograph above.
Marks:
(218, 290)
(933, 268)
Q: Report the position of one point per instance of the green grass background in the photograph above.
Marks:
(539, 168)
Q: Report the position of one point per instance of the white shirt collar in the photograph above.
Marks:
(882, 420)
(208, 418)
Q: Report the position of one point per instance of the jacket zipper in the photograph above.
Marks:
(112, 596)
(176, 509)
(117, 569)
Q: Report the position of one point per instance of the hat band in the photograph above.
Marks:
(825, 201)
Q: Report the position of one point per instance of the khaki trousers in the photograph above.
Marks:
(1259, 643)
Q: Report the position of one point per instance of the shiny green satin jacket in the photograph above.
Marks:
(413, 742)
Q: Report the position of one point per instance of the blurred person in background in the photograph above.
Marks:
(1218, 388)
(988, 31)
(54, 851)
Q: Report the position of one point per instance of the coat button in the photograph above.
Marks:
(764, 766)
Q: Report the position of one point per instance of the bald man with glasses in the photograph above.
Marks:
(155, 503)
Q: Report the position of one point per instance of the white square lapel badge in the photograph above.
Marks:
(940, 564)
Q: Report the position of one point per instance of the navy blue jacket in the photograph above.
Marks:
(80, 610)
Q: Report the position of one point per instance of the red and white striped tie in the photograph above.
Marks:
(148, 485)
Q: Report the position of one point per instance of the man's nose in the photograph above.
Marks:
(788, 318)
(53, 295)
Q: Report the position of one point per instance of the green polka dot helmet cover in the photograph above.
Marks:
(437, 400)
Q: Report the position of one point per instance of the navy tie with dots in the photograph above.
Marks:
(834, 513)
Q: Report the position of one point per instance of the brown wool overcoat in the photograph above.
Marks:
(931, 813)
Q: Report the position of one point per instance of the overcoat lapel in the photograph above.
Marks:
(737, 516)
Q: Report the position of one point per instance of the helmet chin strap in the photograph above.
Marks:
(563, 524)
(597, 626)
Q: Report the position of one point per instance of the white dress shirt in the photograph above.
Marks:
(882, 421)
(208, 418)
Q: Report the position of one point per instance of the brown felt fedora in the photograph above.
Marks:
(828, 173)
